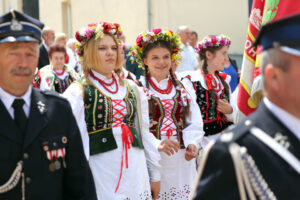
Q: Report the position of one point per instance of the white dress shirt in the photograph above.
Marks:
(291, 122)
(188, 60)
(8, 99)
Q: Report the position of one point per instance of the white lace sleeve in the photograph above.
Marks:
(74, 94)
(193, 133)
(229, 117)
(149, 141)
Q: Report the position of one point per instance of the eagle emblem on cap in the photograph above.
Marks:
(15, 25)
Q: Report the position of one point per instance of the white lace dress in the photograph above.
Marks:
(106, 167)
(178, 175)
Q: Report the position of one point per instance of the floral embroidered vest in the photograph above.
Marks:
(213, 120)
(99, 118)
(156, 118)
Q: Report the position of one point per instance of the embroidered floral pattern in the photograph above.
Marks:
(146, 195)
(176, 193)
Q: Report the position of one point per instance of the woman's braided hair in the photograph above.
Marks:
(204, 66)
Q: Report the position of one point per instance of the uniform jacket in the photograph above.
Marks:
(51, 126)
(218, 180)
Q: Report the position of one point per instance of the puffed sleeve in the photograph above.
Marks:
(193, 132)
(229, 117)
(74, 94)
(149, 141)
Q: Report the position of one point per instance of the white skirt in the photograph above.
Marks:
(106, 169)
(178, 176)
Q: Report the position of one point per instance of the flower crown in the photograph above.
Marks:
(152, 36)
(213, 41)
(98, 30)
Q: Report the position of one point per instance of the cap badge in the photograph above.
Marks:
(15, 25)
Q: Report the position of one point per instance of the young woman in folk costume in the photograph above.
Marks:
(57, 76)
(115, 131)
(173, 116)
(210, 87)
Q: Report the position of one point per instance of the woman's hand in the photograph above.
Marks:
(224, 107)
(191, 152)
(169, 147)
(155, 189)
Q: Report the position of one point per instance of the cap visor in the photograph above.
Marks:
(18, 39)
(292, 51)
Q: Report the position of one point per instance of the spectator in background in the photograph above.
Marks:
(125, 74)
(193, 43)
(61, 39)
(71, 45)
(232, 70)
(130, 64)
(193, 39)
(48, 37)
(57, 76)
(188, 56)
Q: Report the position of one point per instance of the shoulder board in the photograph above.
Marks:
(235, 132)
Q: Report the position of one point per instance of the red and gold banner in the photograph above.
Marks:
(262, 12)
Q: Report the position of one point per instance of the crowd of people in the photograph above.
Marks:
(81, 122)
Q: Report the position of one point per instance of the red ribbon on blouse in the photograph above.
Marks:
(127, 140)
(209, 78)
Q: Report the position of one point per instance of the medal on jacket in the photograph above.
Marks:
(51, 165)
(63, 151)
(57, 162)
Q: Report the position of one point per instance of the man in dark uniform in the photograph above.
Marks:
(259, 157)
(41, 152)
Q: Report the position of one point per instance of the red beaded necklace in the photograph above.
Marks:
(104, 84)
(165, 91)
(60, 73)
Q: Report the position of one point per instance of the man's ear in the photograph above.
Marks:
(272, 77)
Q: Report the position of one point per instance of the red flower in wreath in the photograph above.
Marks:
(106, 27)
(156, 30)
(77, 36)
(214, 39)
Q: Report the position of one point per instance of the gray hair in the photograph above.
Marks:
(275, 57)
(182, 28)
(45, 30)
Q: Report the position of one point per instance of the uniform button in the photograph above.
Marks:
(54, 144)
(25, 156)
(248, 122)
(28, 180)
(104, 140)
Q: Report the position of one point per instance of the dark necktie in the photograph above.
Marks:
(20, 117)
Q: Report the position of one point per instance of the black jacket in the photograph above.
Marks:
(219, 181)
(43, 58)
(51, 126)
